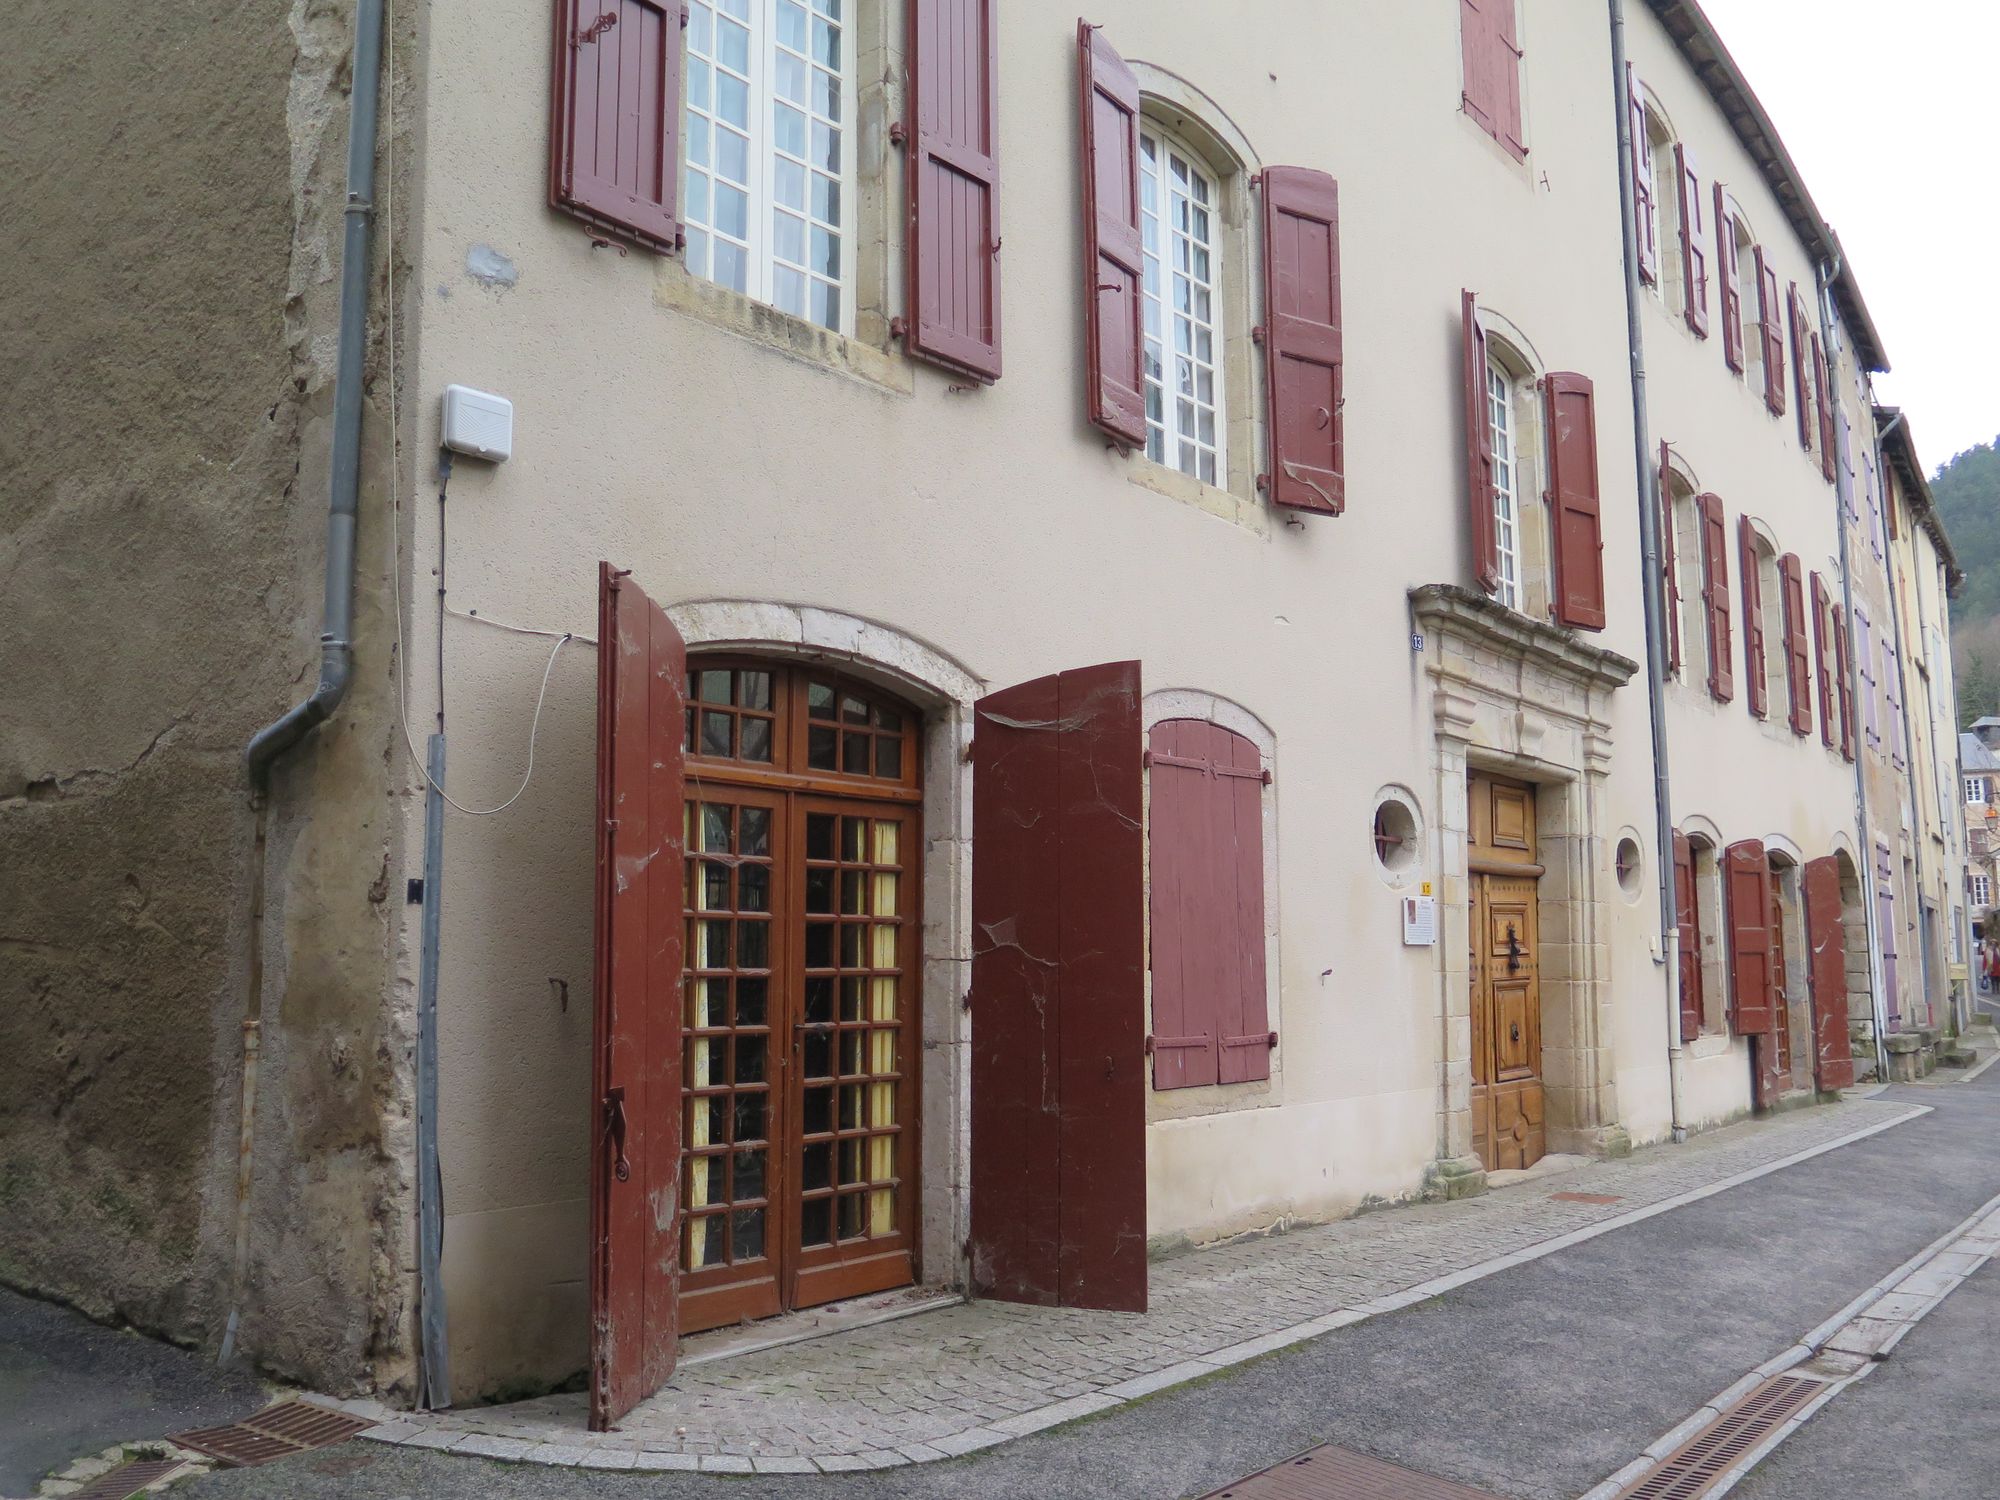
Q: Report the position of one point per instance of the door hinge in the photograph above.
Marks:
(898, 136)
(1149, 1046)
(899, 328)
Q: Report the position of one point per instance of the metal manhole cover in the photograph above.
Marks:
(1332, 1473)
(275, 1432)
(1694, 1468)
(127, 1480)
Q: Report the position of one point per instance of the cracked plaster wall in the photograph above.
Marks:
(172, 193)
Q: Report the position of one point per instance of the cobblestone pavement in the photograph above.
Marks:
(970, 1376)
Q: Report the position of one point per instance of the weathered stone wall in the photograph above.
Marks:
(170, 213)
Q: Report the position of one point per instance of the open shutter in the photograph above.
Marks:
(1645, 211)
(1801, 380)
(1892, 687)
(1113, 329)
(1826, 937)
(1573, 500)
(1829, 716)
(1478, 451)
(1688, 924)
(1302, 339)
(1863, 659)
(954, 186)
(1506, 75)
(1798, 657)
(1728, 272)
(1475, 43)
(1694, 245)
(1752, 982)
(636, 1001)
(1771, 330)
(1822, 388)
(1715, 596)
(1843, 668)
(615, 116)
(1753, 618)
(1670, 562)
(1058, 1127)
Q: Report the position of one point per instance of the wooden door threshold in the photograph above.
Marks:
(814, 1323)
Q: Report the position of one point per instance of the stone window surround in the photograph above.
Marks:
(1177, 1104)
(1530, 700)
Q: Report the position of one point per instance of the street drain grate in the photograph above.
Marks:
(127, 1480)
(275, 1432)
(1332, 1473)
(1585, 1198)
(1694, 1468)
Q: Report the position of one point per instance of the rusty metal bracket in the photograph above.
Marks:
(595, 29)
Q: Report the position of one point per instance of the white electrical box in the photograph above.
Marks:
(478, 423)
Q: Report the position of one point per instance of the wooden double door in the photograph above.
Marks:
(1508, 1116)
(801, 987)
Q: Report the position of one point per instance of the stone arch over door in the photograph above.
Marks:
(943, 690)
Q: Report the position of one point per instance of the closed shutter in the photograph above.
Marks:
(1843, 669)
(1694, 247)
(1113, 331)
(1771, 330)
(1573, 500)
(1826, 938)
(615, 116)
(635, 1107)
(1058, 1116)
(1715, 596)
(1669, 563)
(1752, 980)
(1687, 923)
(1645, 209)
(1864, 671)
(1727, 272)
(954, 186)
(1753, 618)
(1829, 716)
(1892, 688)
(1822, 390)
(1801, 381)
(1302, 355)
(1885, 927)
(1478, 451)
(1798, 656)
(1205, 827)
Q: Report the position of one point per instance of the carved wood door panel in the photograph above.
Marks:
(1509, 1118)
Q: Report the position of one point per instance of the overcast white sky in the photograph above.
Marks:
(1889, 110)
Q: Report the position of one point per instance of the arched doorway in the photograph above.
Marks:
(802, 980)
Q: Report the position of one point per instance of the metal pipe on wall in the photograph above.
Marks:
(434, 1370)
(1652, 582)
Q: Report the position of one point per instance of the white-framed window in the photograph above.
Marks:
(1506, 474)
(1975, 790)
(768, 153)
(1982, 891)
(1180, 231)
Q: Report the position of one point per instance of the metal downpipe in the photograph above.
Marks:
(1652, 590)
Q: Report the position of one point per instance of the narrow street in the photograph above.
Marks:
(1536, 1381)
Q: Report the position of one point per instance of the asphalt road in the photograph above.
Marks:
(1534, 1383)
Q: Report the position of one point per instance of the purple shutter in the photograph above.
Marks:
(1829, 715)
(954, 186)
(1864, 669)
(1687, 921)
(615, 116)
(1573, 500)
(1113, 286)
(1302, 347)
(1885, 924)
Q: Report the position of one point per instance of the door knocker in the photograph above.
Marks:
(1513, 950)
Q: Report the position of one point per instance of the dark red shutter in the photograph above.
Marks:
(1747, 900)
(1727, 272)
(1753, 618)
(1302, 339)
(1113, 322)
(615, 116)
(1687, 922)
(1573, 500)
(1669, 563)
(1645, 209)
(1478, 450)
(1772, 333)
(1826, 936)
(1694, 248)
(1205, 828)
(1715, 597)
(635, 1109)
(1822, 389)
(1058, 1118)
(1828, 714)
(1798, 656)
(1801, 381)
(1490, 54)
(954, 186)
(1843, 668)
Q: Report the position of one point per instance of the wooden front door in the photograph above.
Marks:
(802, 973)
(1507, 1103)
(1780, 1037)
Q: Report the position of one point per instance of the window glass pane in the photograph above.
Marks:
(1178, 278)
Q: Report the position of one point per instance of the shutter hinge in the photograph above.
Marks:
(1263, 484)
(1256, 179)
(899, 328)
(1146, 758)
(1271, 1040)
(898, 136)
(1257, 334)
(1265, 777)
(684, 18)
(965, 1001)
(1149, 1045)
(967, 756)
(597, 29)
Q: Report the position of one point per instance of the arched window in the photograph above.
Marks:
(1656, 165)
(1684, 517)
(1520, 530)
(1180, 203)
